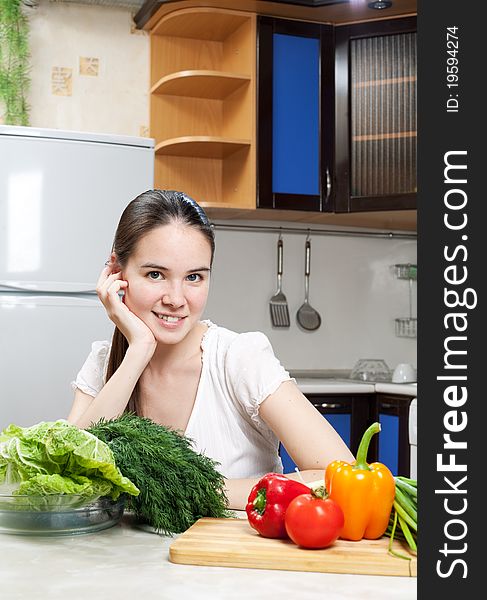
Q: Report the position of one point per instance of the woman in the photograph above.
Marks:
(226, 391)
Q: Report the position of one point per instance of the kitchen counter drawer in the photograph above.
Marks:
(392, 446)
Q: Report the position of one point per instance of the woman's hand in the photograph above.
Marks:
(134, 329)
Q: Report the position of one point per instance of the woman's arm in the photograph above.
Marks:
(113, 398)
(115, 394)
(308, 437)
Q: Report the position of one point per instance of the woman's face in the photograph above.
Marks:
(168, 280)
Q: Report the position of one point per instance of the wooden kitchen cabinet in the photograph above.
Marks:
(375, 144)
(350, 415)
(295, 110)
(337, 116)
(232, 150)
(202, 104)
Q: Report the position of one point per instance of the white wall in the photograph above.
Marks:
(114, 101)
(352, 286)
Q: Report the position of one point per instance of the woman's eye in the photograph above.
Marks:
(194, 277)
(154, 275)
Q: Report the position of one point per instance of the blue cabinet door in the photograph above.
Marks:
(389, 442)
(295, 114)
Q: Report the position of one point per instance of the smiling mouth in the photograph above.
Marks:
(168, 318)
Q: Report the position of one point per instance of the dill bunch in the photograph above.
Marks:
(177, 485)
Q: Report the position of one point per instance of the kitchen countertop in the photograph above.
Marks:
(316, 385)
(405, 389)
(124, 562)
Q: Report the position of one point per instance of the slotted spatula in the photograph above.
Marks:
(278, 302)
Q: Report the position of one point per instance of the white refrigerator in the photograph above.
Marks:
(61, 196)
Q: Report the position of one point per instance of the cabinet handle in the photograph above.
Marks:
(330, 405)
(328, 184)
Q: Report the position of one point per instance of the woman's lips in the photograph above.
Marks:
(169, 321)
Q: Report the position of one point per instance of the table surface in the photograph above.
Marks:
(125, 562)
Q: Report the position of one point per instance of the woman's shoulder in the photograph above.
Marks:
(99, 351)
(100, 346)
(226, 340)
(91, 377)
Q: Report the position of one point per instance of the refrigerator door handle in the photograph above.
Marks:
(42, 287)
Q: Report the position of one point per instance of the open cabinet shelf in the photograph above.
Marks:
(200, 84)
(200, 23)
(200, 146)
(203, 64)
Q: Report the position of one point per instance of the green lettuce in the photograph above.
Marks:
(55, 457)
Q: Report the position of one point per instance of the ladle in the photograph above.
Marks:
(307, 316)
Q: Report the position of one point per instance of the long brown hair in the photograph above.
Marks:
(146, 212)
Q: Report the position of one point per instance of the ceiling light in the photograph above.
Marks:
(380, 4)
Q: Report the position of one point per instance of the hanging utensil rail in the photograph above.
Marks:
(391, 235)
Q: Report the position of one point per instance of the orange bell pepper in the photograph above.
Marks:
(365, 493)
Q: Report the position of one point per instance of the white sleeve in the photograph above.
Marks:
(91, 377)
(253, 371)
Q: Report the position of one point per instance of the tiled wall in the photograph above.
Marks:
(90, 69)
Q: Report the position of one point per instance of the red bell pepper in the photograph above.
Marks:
(268, 501)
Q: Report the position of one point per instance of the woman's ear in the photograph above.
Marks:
(116, 268)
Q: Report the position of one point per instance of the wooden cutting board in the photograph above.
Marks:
(233, 543)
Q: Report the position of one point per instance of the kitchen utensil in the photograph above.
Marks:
(307, 316)
(57, 514)
(407, 326)
(404, 373)
(371, 369)
(278, 302)
(233, 543)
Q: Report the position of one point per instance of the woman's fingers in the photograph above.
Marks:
(105, 281)
(109, 295)
(107, 269)
(108, 287)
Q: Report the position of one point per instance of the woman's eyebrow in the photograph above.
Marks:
(161, 268)
(153, 266)
(200, 269)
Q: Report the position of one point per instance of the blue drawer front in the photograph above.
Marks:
(341, 424)
(295, 129)
(389, 442)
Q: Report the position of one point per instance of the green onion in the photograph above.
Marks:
(403, 522)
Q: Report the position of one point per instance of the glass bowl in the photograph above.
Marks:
(58, 514)
(371, 369)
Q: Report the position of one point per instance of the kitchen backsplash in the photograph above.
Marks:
(352, 285)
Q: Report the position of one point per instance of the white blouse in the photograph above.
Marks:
(239, 372)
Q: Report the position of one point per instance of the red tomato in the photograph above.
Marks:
(313, 522)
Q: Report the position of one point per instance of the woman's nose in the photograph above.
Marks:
(174, 296)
